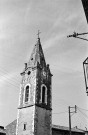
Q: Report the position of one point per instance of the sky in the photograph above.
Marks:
(20, 21)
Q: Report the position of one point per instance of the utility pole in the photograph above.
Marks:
(69, 121)
(69, 108)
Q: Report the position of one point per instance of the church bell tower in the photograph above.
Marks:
(35, 99)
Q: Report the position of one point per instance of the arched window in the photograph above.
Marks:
(26, 93)
(44, 94)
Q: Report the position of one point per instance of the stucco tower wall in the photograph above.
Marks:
(26, 116)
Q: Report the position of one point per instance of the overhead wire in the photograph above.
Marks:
(83, 113)
(9, 81)
(13, 82)
(82, 108)
(82, 118)
(7, 78)
(6, 72)
(75, 120)
(79, 119)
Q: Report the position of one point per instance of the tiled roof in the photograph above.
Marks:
(11, 128)
(67, 128)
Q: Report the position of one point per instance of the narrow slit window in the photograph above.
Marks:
(27, 94)
(25, 126)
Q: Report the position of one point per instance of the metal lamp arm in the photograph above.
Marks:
(76, 35)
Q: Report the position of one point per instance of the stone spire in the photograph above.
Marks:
(37, 56)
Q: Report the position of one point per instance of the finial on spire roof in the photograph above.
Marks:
(38, 34)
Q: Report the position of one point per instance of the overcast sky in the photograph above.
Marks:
(19, 23)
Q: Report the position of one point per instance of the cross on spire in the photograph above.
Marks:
(38, 33)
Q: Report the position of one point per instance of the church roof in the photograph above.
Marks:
(58, 127)
(11, 128)
(37, 56)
